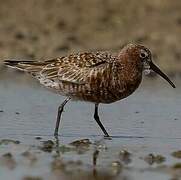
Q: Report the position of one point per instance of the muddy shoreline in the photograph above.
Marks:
(44, 30)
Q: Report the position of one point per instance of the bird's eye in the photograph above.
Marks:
(143, 54)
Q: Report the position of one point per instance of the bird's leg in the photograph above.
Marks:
(60, 110)
(96, 117)
(57, 146)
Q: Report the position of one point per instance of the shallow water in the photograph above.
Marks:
(147, 122)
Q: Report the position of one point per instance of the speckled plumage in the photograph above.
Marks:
(95, 77)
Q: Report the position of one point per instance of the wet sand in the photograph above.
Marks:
(145, 131)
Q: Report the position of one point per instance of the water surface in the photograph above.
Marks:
(148, 121)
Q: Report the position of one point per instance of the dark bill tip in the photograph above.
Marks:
(164, 76)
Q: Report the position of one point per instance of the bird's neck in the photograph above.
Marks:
(128, 75)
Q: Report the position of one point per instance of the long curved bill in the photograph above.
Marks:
(158, 71)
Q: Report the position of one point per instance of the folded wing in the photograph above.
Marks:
(70, 69)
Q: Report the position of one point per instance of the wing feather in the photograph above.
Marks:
(74, 68)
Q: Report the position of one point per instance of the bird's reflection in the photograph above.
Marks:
(79, 169)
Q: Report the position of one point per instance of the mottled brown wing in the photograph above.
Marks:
(73, 68)
(27, 66)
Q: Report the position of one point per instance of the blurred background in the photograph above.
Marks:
(45, 29)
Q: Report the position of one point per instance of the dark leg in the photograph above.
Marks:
(96, 117)
(60, 110)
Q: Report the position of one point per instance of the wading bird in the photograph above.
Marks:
(94, 77)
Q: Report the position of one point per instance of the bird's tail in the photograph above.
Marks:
(28, 66)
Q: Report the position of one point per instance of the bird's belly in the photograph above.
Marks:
(96, 94)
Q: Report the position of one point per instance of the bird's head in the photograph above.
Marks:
(141, 57)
